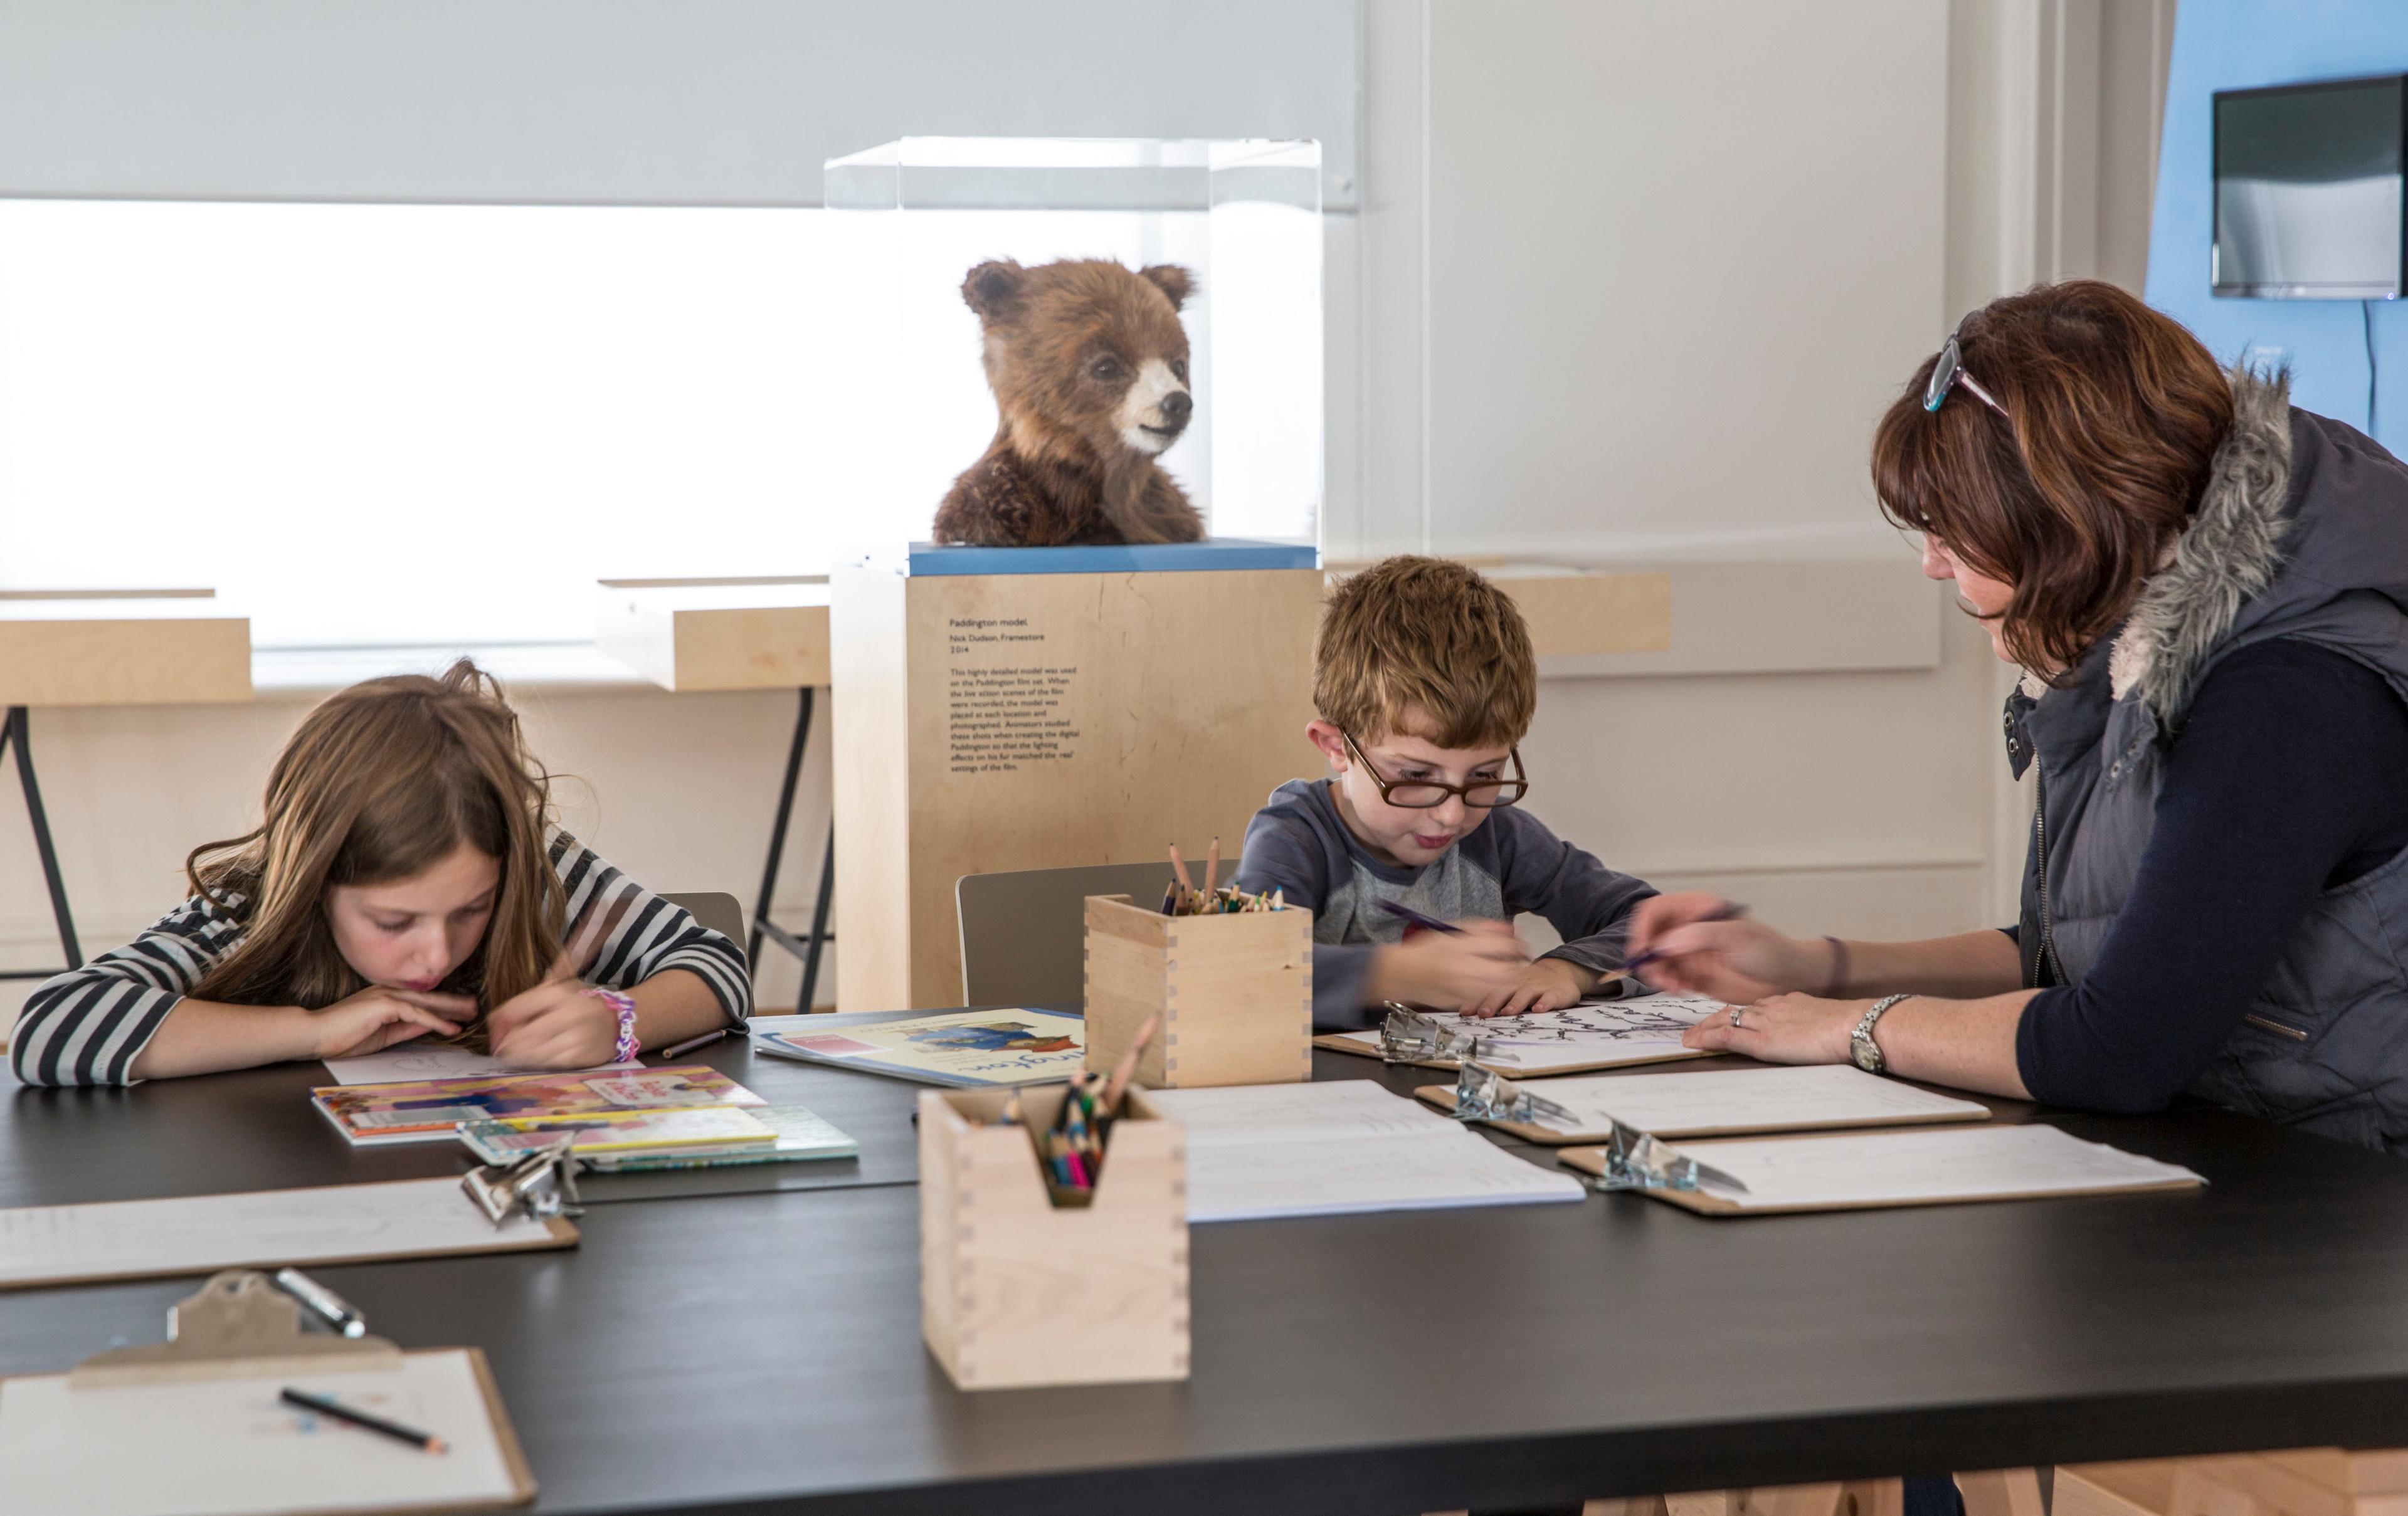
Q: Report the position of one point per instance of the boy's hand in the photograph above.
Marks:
(1450, 971)
(1549, 984)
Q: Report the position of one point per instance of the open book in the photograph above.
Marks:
(1261, 1151)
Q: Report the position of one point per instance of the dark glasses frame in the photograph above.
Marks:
(1519, 783)
(1948, 371)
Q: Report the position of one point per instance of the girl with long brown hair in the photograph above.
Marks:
(2207, 588)
(405, 882)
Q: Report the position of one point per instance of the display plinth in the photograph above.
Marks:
(1037, 719)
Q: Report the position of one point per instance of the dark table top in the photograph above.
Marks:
(761, 1351)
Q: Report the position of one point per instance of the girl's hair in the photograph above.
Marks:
(382, 782)
(2114, 415)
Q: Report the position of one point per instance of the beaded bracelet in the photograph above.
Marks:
(626, 1048)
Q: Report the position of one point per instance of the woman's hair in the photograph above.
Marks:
(382, 782)
(2115, 412)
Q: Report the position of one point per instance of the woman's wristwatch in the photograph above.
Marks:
(1862, 1049)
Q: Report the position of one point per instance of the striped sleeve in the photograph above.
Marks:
(89, 1025)
(649, 935)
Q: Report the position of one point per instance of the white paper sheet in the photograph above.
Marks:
(1745, 1100)
(1643, 1029)
(201, 1234)
(1263, 1150)
(1893, 1168)
(409, 1062)
(215, 1447)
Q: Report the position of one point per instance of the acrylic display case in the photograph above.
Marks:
(1242, 217)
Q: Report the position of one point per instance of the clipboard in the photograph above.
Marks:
(1341, 1042)
(41, 1246)
(2084, 1169)
(1416, 1037)
(1520, 1107)
(239, 1327)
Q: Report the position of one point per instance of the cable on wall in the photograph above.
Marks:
(2366, 315)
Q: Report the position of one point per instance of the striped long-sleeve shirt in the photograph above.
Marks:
(86, 1026)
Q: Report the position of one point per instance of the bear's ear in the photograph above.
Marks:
(992, 289)
(1171, 279)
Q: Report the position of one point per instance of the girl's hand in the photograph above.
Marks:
(560, 1023)
(1449, 971)
(1549, 984)
(556, 1025)
(1785, 1029)
(1738, 960)
(376, 1018)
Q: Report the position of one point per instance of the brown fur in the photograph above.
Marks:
(1065, 342)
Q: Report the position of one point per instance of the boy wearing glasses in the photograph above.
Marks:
(1424, 681)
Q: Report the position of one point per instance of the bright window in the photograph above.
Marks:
(378, 424)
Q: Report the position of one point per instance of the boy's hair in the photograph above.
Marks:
(381, 781)
(1430, 637)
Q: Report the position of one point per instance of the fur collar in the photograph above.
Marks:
(2230, 551)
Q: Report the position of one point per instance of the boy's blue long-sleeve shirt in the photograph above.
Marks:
(1511, 864)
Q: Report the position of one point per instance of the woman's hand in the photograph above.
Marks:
(1450, 970)
(1700, 951)
(376, 1018)
(558, 1024)
(1549, 984)
(1784, 1029)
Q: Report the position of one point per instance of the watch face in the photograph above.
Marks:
(1866, 1057)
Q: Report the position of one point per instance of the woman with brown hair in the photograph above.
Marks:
(405, 882)
(2208, 590)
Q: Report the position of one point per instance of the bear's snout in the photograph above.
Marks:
(1155, 409)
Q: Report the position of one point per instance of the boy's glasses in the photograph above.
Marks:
(1425, 795)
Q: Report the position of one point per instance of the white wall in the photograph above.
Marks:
(1572, 317)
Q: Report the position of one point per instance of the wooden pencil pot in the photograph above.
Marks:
(1235, 993)
(1015, 1292)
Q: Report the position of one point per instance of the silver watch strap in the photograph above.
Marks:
(1863, 1035)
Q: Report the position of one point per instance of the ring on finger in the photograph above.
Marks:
(1737, 1025)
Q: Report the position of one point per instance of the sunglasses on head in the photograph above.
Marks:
(1948, 371)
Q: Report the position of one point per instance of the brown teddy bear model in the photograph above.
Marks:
(1089, 367)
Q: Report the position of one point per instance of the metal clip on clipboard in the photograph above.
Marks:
(1483, 1094)
(237, 1325)
(542, 1185)
(1412, 1036)
(1635, 1161)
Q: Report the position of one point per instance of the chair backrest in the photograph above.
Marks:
(1024, 933)
(715, 909)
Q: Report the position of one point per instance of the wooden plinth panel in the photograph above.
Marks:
(750, 636)
(1045, 720)
(123, 652)
(1235, 993)
(1015, 1292)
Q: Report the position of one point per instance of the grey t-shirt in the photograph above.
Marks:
(1511, 864)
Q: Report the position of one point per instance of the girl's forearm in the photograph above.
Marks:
(674, 1005)
(209, 1037)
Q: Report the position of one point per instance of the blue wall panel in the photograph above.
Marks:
(2235, 44)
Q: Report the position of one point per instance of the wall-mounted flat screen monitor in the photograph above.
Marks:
(2309, 189)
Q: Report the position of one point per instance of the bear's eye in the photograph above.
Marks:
(1178, 370)
(1105, 367)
